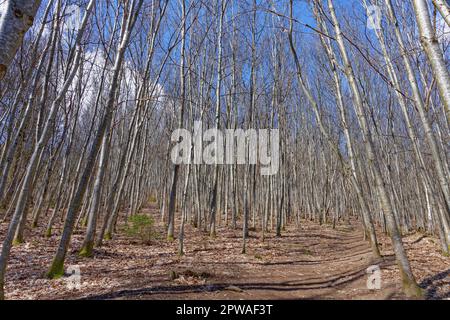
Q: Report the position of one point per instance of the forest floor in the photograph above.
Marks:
(308, 262)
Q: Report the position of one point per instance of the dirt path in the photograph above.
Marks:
(310, 261)
(305, 263)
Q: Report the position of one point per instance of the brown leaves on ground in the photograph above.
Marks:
(308, 261)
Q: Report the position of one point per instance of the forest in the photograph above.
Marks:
(224, 149)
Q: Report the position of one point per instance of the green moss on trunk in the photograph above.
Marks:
(86, 250)
(56, 270)
(48, 233)
(2, 292)
(412, 290)
(17, 241)
(410, 287)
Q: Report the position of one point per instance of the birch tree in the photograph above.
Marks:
(16, 17)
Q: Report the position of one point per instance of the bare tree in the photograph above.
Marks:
(16, 17)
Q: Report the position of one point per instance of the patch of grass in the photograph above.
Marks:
(141, 227)
(307, 252)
